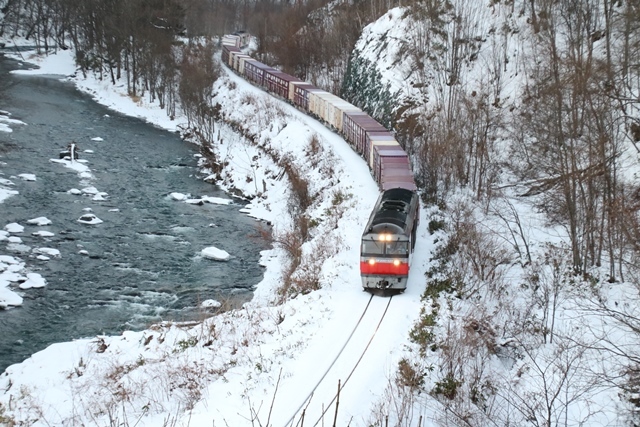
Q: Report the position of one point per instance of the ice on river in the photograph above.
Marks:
(6, 193)
(47, 251)
(216, 200)
(5, 121)
(34, 280)
(181, 197)
(27, 177)
(10, 269)
(77, 165)
(14, 227)
(42, 233)
(214, 253)
(40, 221)
(91, 191)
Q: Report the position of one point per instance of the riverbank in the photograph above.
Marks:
(107, 240)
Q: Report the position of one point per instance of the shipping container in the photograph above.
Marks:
(377, 142)
(355, 127)
(238, 60)
(373, 138)
(317, 102)
(384, 156)
(406, 183)
(390, 174)
(299, 94)
(241, 61)
(226, 53)
(339, 108)
(331, 109)
(278, 82)
(232, 40)
(254, 71)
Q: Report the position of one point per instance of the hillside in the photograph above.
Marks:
(531, 302)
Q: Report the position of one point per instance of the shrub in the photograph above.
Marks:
(447, 387)
(5, 420)
(409, 375)
(436, 225)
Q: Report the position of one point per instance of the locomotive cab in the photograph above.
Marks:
(388, 241)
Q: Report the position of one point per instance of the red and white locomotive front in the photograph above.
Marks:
(388, 241)
(384, 259)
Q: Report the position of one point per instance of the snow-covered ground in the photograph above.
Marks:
(261, 363)
(526, 345)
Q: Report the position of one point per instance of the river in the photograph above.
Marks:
(142, 264)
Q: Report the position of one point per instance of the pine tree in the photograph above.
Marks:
(364, 88)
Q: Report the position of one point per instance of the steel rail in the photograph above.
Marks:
(310, 395)
(357, 363)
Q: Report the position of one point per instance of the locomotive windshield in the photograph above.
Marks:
(372, 247)
(397, 248)
(376, 247)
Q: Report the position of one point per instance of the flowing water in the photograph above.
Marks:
(142, 264)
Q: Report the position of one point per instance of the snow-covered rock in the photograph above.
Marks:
(214, 253)
(211, 303)
(179, 196)
(90, 219)
(90, 190)
(217, 200)
(40, 221)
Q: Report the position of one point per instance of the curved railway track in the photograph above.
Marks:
(307, 402)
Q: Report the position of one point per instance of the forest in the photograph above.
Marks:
(563, 142)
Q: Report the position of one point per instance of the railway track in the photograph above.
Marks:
(314, 407)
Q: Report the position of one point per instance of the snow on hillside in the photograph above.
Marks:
(528, 342)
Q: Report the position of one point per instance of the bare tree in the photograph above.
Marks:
(549, 384)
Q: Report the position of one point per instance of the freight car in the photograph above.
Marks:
(389, 237)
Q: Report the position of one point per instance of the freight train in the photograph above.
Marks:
(390, 234)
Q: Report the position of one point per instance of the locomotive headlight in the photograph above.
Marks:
(372, 261)
(396, 262)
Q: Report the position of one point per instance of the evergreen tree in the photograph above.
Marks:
(363, 87)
